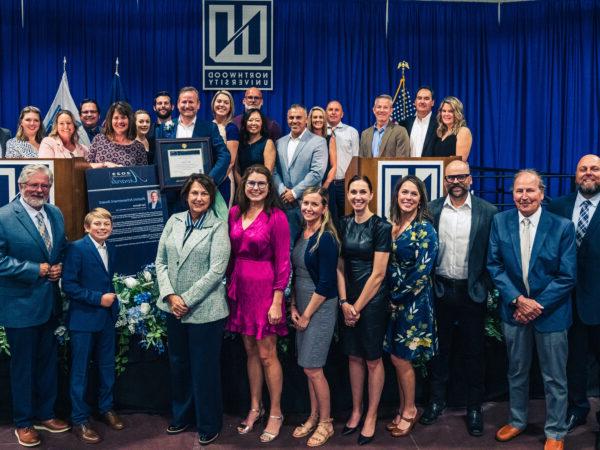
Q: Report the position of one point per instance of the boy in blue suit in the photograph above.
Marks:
(93, 310)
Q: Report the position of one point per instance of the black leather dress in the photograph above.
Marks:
(359, 244)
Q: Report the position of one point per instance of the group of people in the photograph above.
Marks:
(400, 285)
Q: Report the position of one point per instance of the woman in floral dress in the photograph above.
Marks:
(411, 330)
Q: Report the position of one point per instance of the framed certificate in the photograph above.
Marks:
(179, 158)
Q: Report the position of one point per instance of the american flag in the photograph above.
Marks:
(403, 106)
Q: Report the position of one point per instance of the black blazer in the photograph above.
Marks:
(588, 261)
(4, 136)
(429, 137)
(479, 281)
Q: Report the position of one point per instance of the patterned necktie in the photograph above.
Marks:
(41, 226)
(583, 222)
(525, 251)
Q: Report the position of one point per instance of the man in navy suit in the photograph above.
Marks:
(533, 262)
(422, 126)
(32, 243)
(582, 208)
(301, 163)
(93, 311)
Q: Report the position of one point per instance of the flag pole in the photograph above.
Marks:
(64, 64)
(117, 67)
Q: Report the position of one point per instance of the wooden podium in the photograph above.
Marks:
(385, 172)
(69, 190)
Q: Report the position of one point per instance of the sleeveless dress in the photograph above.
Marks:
(411, 330)
(444, 148)
(250, 154)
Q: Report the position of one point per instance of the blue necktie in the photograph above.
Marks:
(583, 222)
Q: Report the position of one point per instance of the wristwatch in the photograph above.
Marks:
(341, 301)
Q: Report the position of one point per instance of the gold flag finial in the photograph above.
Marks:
(402, 65)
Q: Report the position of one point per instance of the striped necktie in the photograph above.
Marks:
(583, 222)
(41, 226)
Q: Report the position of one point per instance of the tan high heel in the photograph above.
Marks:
(306, 428)
(244, 428)
(322, 434)
(267, 436)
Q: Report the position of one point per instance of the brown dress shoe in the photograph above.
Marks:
(553, 444)
(86, 433)
(507, 432)
(112, 420)
(27, 437)
(53, 426)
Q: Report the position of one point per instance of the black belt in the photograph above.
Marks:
(339, 181)
(452, 282)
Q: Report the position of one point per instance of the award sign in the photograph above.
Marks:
(179, 158)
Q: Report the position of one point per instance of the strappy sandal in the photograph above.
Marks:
(267, 436)
(244, 428)
(322, 434)
(306, 428)
(397, 432)
(392, 425)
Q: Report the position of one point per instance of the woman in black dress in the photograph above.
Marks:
(366, 245)
(453, 137)
(255, 145)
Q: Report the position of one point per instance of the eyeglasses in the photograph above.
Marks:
(253, 97)
(37, 186)
(261, 185)
(460, 178)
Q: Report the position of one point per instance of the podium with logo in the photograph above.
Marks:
(384, 173)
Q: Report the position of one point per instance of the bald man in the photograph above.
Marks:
(253, 98)
(461, 283)
(584, 335)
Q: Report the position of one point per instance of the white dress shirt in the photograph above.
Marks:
(32, 212)
(454, 230)
(534, 220)
(102, 250)
(292, 146)
(577, 208)
(346, 146)
(185, 131)
(418, 134)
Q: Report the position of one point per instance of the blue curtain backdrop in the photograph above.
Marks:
(530, 84)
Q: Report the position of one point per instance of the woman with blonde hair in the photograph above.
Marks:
(63, 140)
(222, 107)
(30, 132)
(314, 308)
(453, 137)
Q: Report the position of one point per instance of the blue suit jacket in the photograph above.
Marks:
(552, 267)
(85, 280)
(26, 299)
(307, 166)
(588, 262)
(220, 155)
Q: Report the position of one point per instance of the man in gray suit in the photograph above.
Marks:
(461, 283)
(4, 136)
(32, 243)
(301, 163)
(385, 138)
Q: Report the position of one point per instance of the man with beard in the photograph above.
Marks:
(163, 109)
(89, 113)
(421, 127)
(461, 285)
(532, 259)
(32, 243)
(582, 208)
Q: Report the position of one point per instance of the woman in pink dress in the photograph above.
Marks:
(258, 273)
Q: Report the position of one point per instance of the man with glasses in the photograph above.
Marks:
(461, 285)
(89, 113)
(32, 243)
(253, 99)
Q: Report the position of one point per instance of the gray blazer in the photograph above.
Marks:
(395, 142)
(306, 168)
(479, 281)
(195, 272)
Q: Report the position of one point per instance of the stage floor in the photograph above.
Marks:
(146, 432)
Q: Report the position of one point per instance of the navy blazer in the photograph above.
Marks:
(552, 268)
(84, 281)
(322, 264)
(27, 300)
(220, 155)
(429, 136)
(588, 261)
(482, 213)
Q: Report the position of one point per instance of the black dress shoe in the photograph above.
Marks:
(364, 440)
(475, 422)
(431, 413)
(597, 444)
(176, 429)
(205, 439)
(574, 420)
(347, 431)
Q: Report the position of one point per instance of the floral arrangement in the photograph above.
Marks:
(138, 316)
(493, 324)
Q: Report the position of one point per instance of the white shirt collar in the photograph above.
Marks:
(467, 202)
(96, 243)
(190, 125)
(534, 218)
(292, 138)
(427, 118)
(31, 210)
(580, 199)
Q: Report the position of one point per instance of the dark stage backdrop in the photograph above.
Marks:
(530, 84)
